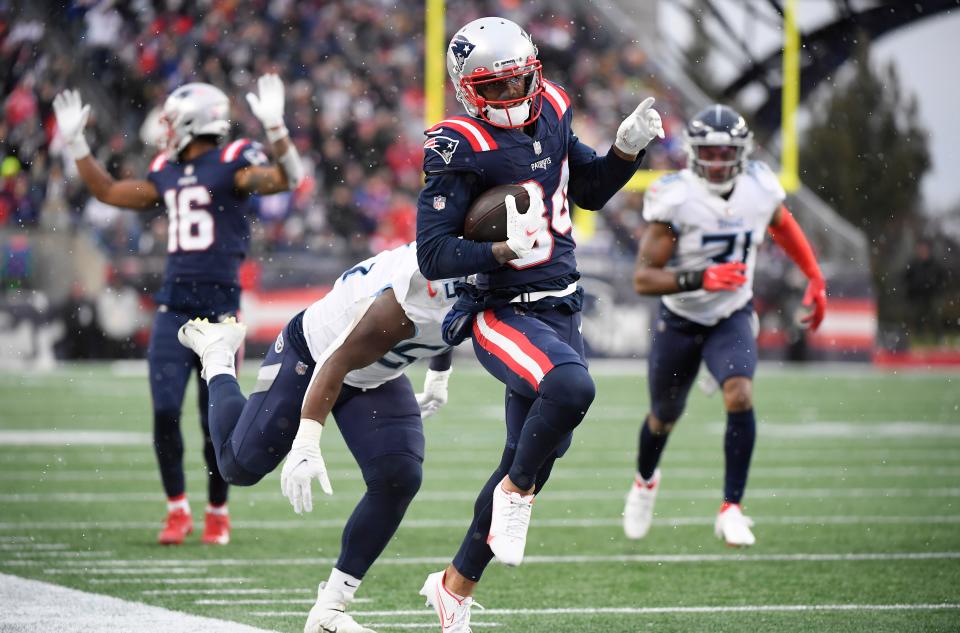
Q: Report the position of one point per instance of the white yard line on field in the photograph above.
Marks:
(567, 472)
(132, 567)
(30, 605)
(73, 438)
(169, 581)
(425, 625)
(788, 608)
(760, 608)
(445, 496)
(417, 524)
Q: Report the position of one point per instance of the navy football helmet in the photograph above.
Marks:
(718, 143)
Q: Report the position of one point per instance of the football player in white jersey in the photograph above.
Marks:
(344, 355)
(699, 254)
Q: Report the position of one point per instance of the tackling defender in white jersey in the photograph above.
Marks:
(699, 253)
(344, 355)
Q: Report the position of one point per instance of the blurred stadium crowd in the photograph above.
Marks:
(355, 105)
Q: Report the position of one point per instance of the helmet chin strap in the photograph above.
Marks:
(517, 114)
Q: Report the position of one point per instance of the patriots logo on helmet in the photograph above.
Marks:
(461, 48)
(442, 145)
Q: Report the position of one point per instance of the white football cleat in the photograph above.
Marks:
(733, 527)
(453, 612)
(509, 523)
(638, 512)
(201, 335)
(327, 615)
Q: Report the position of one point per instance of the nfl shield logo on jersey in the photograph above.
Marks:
(439, 203)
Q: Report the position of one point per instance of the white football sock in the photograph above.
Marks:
(217, 360)
(178, 503)
(342, 583)
(221, 509)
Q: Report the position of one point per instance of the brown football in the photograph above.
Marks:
(486, 220)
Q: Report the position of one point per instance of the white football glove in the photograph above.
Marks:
(638, 129)
(304, 464)
(72, 117)
(268, 106)
(523, 228)
(434, 394)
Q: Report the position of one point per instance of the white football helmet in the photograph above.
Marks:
(192, 110)
(492, 50)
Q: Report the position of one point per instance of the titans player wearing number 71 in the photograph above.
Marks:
(205, 185)
(699, 253)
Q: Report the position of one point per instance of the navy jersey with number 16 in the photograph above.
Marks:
(208, 230)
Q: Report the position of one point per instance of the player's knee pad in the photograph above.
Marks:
(570, 386)
(397, 476)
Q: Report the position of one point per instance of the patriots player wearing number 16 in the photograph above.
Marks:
(699, 253)
(525, 306)
(205, 184)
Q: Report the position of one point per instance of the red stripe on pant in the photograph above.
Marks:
(517, 338)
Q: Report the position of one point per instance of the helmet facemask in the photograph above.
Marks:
(488, 94)
(493, 66)
(717, 159)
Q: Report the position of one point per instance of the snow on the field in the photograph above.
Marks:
(30, 605)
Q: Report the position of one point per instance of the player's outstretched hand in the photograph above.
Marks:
(434, 394)
(815, 298)
(72, 117)
(268, 105)
(523, 228)
(303, 465)
(638, 129)
(725, 277)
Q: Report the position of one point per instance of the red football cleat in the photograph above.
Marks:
(216, 529)
(179, 525)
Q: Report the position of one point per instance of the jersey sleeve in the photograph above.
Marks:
(769, 184)
(447, 150)
(153, 172)
(242, 153)
(595, 179)
(662, 197)
(441, 208)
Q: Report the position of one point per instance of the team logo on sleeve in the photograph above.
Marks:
(461, 48)
(442, 145)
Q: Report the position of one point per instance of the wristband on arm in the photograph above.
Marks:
(688, 280)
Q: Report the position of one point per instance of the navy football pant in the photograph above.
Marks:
(539, 357)
(381, 427)
(728, 349)
(169, 365)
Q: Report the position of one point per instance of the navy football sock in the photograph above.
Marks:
(217, 488)
(392, 482)
(565, 395)
(474, 554)
(168, 445)
(651, 447)
(738, 447)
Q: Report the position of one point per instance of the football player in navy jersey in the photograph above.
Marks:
(523, 311)
(205, 185)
